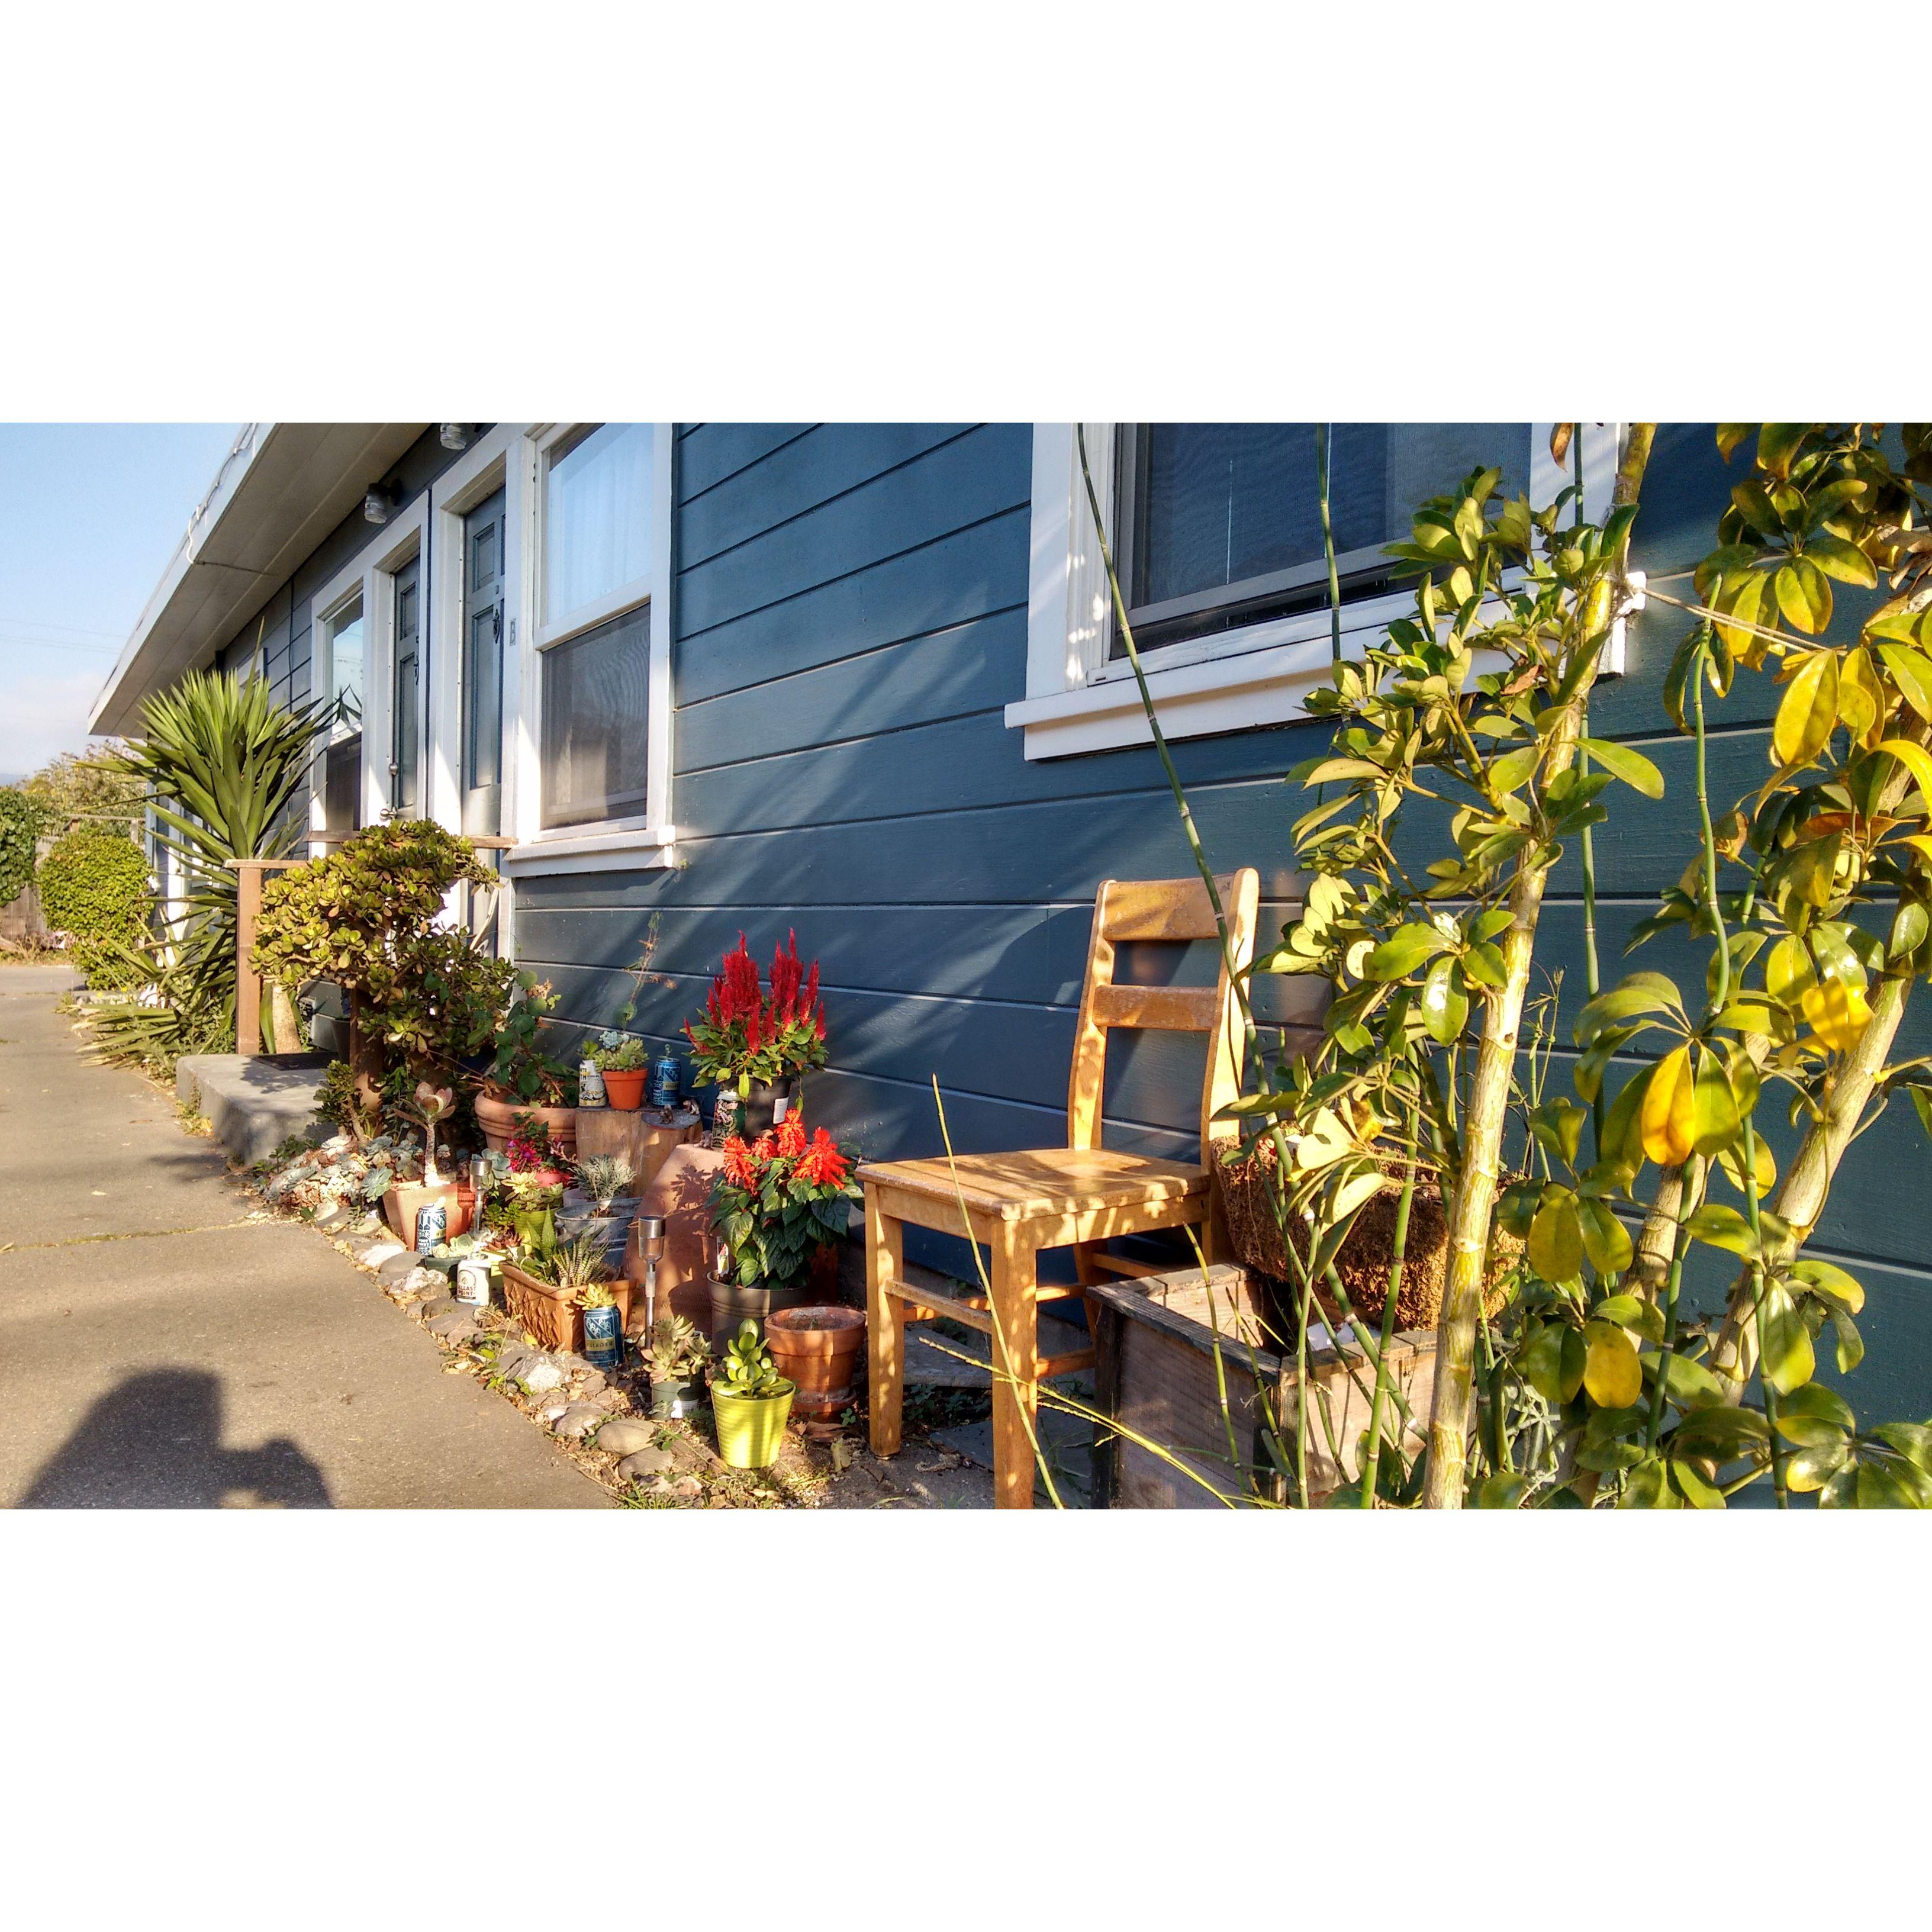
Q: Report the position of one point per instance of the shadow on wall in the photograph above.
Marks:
(155, 1443)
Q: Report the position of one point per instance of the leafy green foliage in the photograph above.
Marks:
(746, 1367)
(23, 819)
(94, 885)
(777, 1201)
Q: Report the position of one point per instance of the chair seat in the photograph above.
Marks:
(1048, 1182)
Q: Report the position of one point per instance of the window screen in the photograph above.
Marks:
(1222, 521)
(596, 689)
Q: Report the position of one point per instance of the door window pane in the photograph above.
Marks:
(597, 501)
(345, 669)
(595, 689)
(1225, 519)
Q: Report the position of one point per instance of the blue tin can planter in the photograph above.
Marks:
(603, 1337)
(665, 1077)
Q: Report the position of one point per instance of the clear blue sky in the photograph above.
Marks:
(90, 514)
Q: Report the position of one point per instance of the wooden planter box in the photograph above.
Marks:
(1154, 1370)
(543, 1312)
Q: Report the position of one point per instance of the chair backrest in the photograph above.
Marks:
(1165, 911)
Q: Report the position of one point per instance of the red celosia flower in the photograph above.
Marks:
(791, 1134)
(739, 1169)
(821, 1164)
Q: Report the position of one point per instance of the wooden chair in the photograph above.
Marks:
(1078, 1196)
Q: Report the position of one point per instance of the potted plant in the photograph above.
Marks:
(756, 1043)
(407, 1197)
(544, 1288)
(602, 1180)
(675, 1361)
(751, 1402)
(524, 1078)
(817, 1349)
(779, 1204)
(624, 1062)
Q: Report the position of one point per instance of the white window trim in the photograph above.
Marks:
(372, 573)
(650, 840)
(1077, 701)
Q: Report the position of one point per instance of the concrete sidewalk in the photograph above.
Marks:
(163, 1345)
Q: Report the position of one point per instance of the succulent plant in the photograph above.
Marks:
(598, 1295)
(603, 1176)
(747, 1366)
(575, 1265)
(676, 1352)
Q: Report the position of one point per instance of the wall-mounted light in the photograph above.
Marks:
(453, 435)
(377, 504)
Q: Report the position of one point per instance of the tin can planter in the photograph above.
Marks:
(402, 1203)
(625, 1091)
(590, 1089)
(666, 1078)
(674, 1397)
(551, 1313)
(818, 1349)
(603, 1336)
(472, 1283)
(750, 1428)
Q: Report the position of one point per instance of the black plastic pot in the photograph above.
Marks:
(731, 1305)
(675, 1395)
(757, 1115)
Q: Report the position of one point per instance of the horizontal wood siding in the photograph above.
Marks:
(850, 623)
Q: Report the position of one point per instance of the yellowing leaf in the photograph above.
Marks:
(1809, 710)
(1804, 595)
(1861, 698)
(1714, 1109)
(1788, 968)
(1556, 1240)
(1912, 672)
(1668, 1110)
(1612, 1376)
(1915, 759)
(1838, 1014)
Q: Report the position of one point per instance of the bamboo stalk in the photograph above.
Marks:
(1371, 1461)
(1325, 444)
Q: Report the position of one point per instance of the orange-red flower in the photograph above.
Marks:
(739, 1167)
(791, 1134)
(822, 1164)
(763, 1148)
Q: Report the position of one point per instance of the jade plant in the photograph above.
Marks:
(746, 1367)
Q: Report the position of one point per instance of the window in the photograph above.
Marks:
(1221, 523)
(596, 689)
(342, 763)
(598, 493)
(597, 504)
(1216, 535)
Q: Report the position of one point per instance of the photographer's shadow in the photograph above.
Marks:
(155, 1443)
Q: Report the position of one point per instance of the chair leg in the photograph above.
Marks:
(1016, 1366)
(885, 1327)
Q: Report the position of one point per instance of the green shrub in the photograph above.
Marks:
(22, 819)
(93, 885)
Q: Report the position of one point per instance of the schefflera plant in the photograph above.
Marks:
(1477, 704)
(1816, 947)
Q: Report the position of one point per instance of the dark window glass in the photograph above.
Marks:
(1221, 523)
(596, 689)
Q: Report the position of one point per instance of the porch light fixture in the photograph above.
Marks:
(377, 504)
(453, 435)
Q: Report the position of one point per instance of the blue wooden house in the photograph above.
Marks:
(860, 681)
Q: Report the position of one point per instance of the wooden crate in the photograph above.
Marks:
(1155, 1370)
(646, 1135)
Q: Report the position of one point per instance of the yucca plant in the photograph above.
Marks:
(222, 761)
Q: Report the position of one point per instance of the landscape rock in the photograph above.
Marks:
(540, 1374)
(646, 1462)
(379, 1254)
(687, 1486)
(425, 1281)
(594, 1383)
(578, 1420)
(334, 1221)
(398, 1267)
(455, 1323)
(626, 1438)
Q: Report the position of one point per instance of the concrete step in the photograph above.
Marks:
(254, 1104)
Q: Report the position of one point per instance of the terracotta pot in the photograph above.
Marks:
(497, 1119)
(625, 1091)
(818, 1348)
(556, 1322)
(400, 1203)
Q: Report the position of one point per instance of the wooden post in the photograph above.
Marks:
(248, 982)
(885, 1324)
